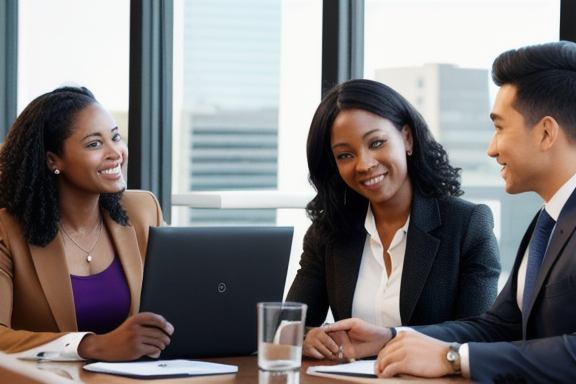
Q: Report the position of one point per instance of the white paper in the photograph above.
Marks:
(161, 368)
(363, 368)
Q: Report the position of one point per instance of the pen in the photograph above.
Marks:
(47, 354)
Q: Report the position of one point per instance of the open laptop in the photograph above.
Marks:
(206, 281)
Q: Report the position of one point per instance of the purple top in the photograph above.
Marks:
(102, 300)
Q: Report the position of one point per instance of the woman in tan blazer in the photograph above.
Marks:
(72, 240)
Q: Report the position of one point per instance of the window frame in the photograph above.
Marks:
(150, 107)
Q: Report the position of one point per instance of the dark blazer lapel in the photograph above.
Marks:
(420, 253)
(126, 244)
(562, 232)
(348, 264)
(52, 271)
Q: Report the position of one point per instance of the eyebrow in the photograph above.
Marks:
(97, 134)
(363, 136)
(495, 116)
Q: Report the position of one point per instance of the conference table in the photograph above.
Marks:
(15, 371)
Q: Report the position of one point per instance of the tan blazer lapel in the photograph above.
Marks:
(52, 271)
(126, 245)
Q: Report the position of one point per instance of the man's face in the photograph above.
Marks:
(514, 145)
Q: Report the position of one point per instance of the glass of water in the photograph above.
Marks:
(280, 335)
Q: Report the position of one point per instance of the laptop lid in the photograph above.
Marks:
(206, 281)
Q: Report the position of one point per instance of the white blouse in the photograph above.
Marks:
(377, 296)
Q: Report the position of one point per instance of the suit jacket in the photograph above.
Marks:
(36, 300)
(541, 347)
(451, 265)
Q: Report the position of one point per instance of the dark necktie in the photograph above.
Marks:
(536, 252)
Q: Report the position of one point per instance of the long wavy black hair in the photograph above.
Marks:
(28, 187)
(339, 209)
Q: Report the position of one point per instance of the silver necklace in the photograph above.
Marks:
(89, 253)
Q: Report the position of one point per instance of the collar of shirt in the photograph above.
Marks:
(370, 226)
(556, 203)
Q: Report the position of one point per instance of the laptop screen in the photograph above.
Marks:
(206, 281)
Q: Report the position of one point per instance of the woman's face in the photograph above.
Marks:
(93, 156)
(370, 154)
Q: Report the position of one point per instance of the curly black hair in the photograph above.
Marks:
(428, 167)
(28, 186)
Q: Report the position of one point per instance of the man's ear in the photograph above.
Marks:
(549, 131)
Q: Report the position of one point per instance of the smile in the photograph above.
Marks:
(111, 171)
(373, 181)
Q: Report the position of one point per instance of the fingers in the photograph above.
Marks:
(342, 325)
(414, 354)
(347, 351)
(319, 345)
(148, 319)
(389, 358)
(144, 334)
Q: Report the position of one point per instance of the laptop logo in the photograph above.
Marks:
(222, 287)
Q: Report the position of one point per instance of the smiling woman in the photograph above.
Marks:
(93, 155)
(390, 241)
(72, 240)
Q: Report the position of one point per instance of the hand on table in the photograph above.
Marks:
(319, 345)
(144, 334)
(414, 354)
(358, 338)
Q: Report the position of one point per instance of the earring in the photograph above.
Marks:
(409, 152)
(56, 171)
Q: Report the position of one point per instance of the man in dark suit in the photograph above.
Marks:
(528, 335)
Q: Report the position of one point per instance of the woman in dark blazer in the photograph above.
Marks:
(390, 240)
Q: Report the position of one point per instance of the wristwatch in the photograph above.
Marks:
(453, 357)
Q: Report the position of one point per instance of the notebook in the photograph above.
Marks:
(206, 281)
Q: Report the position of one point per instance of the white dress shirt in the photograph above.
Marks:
(377, 296)
(62, 348)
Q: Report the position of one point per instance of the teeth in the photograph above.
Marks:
(112, 171)
(374, 180)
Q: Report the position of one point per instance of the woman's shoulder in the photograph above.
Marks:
(458, 207)
(456, 202)
(141, 205)
(139, 195)
(7, 219)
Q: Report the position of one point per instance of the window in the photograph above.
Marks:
(247, 78)
(447, 49)
(72, 42)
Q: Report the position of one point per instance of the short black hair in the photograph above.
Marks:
(544, 76)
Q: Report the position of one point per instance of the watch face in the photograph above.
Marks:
(451, 356)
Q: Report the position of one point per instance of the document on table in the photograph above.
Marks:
(360, 368)
(162, 368)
